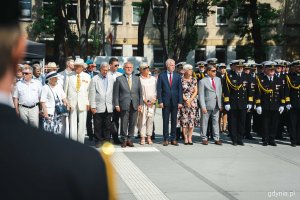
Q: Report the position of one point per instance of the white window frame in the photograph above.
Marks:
(217, 14)
(27, 18)
(138, 7)
(111, 8)
(200, 23)
(155, 64)
(134, 48)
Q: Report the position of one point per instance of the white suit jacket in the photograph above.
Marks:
(80, 98)
(99, 98)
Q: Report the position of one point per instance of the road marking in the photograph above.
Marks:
(140, 185)
(136, 149)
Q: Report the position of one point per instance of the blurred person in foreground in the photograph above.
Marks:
(35, 164)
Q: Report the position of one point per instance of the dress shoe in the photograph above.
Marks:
(234, 144)
(298, 143)
(190, 143)
(165, 143)
(265, 144)
(280, 138)
(218, 142)
(272, 143)
(91, 138)
(174, 142)
(185, 143)
(124, 144)
(240, 143)
(205, 142)
(293, 144)
(130, 143)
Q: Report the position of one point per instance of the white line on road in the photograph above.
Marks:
(140, 185)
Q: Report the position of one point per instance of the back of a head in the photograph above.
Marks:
(10, 33)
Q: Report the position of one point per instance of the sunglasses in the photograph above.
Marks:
(213, 70)
(117, 65)
(25, 73)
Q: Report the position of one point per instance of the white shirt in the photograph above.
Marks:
(115, 74)
(168, 73)
(63, 77)
(28, 93)
(270, 78)
(48, 98)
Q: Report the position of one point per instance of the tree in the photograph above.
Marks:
(256, 22)
(181, 18)
(145, 8)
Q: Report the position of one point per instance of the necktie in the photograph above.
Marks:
(129, 82)
(170, 79)
(213, 84)
(78, 83)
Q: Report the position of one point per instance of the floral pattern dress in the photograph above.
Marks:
(189, 116)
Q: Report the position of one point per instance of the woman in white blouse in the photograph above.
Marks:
(146, 117)
(52, 95)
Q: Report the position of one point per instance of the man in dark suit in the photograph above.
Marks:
(169, 95)
(89, 117)
(36, 164)
(128, 100)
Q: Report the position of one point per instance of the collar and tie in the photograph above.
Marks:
(78, 83)
(129, 82)
(213, 83)
(170, 79)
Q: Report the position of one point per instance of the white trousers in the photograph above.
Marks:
(77, 125)
(30, 115)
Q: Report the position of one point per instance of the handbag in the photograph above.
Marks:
(60, 108)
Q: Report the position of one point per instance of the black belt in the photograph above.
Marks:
(29, 106)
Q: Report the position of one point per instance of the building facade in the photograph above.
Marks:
(215, 40)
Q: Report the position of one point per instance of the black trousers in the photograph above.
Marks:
(294, 122)
(166, 111)
(248, 126)
(102, 125)
(237, 124)
(89, 124)
(257, 123)
(269, 125)
(128, 123)
(281, 123)
(115, 119)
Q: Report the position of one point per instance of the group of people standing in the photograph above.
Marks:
(203, 97)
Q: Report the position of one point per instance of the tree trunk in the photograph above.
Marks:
(59, 37)
(83, 30)
(259, 51)
(142, 24)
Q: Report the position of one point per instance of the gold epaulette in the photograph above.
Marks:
(290, 84)
(267, 91)
(228, 82)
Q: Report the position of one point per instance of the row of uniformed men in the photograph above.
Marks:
(270, 92)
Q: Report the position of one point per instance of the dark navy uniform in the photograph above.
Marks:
(270, 97)
(293, 99)
(237, 94)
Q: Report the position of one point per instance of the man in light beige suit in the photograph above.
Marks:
(210, 97)
(77, 91)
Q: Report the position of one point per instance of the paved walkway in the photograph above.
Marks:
(207, 172)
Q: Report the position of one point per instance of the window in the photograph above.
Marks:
(221, 19)
(48, 8)
(134, 50)
(158, 13)
(136, 14)
(116, 13)
(200, 21)
(158, 57)
(117, 50)
(221, 54)
(25, 6)
(200, 54)
(72, 11)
